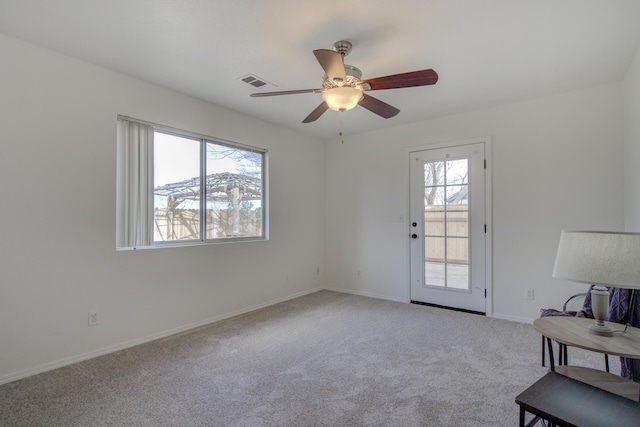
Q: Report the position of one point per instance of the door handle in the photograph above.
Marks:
(414, 236)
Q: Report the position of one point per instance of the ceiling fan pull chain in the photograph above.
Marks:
(341, 126)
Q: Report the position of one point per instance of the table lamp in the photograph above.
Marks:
(600, 259)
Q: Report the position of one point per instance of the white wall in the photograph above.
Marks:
(57, 222)
(557, 163)
(632, 146)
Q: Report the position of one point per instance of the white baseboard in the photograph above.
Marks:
(132, 343)
(512, 318)
(366, 294)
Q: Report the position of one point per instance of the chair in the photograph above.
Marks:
(562, 349)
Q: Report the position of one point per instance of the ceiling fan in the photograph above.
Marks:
(343, 90)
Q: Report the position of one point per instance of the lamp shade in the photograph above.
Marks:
(599, 258)
(342, 98)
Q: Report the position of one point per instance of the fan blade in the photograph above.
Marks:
(315, 114)
(396, 81)
(332, 64)
(285, 92)
(378, 107)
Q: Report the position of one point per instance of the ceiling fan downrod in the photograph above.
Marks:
(343, 47)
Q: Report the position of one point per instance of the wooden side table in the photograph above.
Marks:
(574, 332)
(567, 402)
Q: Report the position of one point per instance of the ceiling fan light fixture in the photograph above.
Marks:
(342, 98)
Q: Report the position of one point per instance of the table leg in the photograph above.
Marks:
(560, 353)
(552, 363)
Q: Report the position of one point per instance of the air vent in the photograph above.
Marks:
(256, 81)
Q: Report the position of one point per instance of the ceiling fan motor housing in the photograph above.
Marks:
(353, 78)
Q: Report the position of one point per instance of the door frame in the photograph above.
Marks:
(487, 140)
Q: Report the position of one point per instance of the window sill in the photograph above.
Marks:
(190, 244)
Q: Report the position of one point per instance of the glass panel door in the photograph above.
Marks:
(447, 226)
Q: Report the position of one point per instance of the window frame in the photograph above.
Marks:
(203, 140)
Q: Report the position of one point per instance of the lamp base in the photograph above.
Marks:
(603, 331)
(600, 308)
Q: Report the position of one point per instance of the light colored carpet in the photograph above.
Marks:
(325, 359)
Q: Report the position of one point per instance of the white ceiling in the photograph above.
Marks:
(487, 52)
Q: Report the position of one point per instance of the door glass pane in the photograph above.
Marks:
(458, 250)
(434, 173)
(457, 195)
(176, 175)
(458, 223)
(234, 192)
(458, 276)
(434, 197)
(434, 223)
(434, 274)
(457, 171)
(434, 249)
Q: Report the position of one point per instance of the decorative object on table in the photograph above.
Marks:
(600, 259)
(623, 308)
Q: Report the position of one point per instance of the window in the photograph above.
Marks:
(163, 175)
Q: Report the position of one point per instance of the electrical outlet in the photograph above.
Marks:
(528, 294)
(93, 318)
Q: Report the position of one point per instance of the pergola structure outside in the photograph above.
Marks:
(177, 222)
